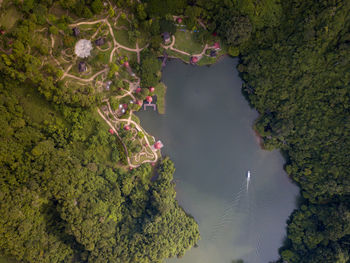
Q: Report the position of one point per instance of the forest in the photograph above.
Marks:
(63, 199)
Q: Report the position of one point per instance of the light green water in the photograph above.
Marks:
(207, 132)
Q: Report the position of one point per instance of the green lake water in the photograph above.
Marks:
(207, 132)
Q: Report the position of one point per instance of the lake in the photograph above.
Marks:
(207, 132)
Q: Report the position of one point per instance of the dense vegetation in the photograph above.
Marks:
(68, 200)
(61, 199)
(65, 194)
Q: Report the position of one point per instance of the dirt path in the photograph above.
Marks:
(171, 47)
(82, 79)
(138, 128)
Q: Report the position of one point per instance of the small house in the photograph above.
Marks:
(179, 20)
(213, 53)
(158, 145)
(76, 31)
(166, 38)
(194, 60)
(82, 66)
(99, 42)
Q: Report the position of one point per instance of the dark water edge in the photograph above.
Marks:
(207, 132)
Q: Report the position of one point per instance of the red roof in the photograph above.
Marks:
(216, 45)
(179, 20)
(111, 131)
(149, 99)
(126, 127)
(125, 106)
(194, 59)
(214, 34)
(139, 102)
(153, 164)
(151, 89)
(138, 90)
(126, 64)
(2, 32)
(158, 145)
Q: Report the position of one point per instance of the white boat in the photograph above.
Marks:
(248, 179)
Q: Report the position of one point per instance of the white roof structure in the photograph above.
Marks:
(83, 48)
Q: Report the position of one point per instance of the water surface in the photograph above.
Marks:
(207, 132)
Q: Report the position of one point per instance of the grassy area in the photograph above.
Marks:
(207, 61)
(185, 42)
(37, 108)
(122, 22)
(160, 91)
(4, 259)
(132, 56)
(9, 18)
(122, 37)
(135, 119)
(175, 54)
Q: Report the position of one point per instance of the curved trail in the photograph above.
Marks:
(199, 55)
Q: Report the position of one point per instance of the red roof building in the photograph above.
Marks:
(149, 99)
(179, 20)
(216, 45)
(126, 64)
(2, 32)
(127, 127)
(138, 90)
(111, 131)
(139, 102)
(151, 89)
(194, 59)
(158, 145)
(125, 106)
(214, 34)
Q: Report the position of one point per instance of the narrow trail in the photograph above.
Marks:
(85, 80)
(171, 47)
(138, 128)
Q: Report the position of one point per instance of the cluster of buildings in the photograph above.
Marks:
(83, 48)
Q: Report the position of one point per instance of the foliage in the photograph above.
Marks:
(60, 201)
(167, 26)
(150, 70)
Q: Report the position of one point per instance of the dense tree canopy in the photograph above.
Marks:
(67, 203)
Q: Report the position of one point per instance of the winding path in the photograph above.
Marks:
(171, 47)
